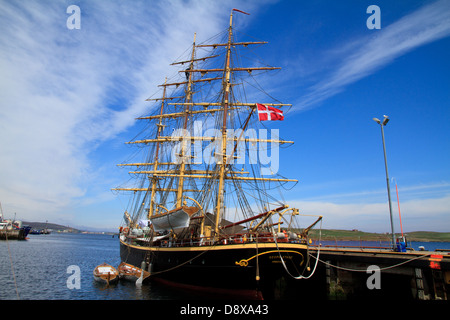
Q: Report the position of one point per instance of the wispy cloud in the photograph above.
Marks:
(423, 207)
(365, 56)
(421, 191)
(63, 92)
(417, 215)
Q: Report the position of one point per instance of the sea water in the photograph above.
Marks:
(42, 268)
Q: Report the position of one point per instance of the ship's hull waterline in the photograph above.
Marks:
(247, 270)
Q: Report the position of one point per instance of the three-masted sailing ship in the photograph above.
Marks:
(203, 213)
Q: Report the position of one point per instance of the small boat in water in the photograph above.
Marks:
(132, 273)
(40, 231)
(106, 274)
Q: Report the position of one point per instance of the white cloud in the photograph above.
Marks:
(63, 92)
(416, 214)
(363, 57)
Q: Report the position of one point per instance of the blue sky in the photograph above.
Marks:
(68, 100)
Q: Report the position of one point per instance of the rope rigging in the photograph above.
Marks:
(221, 185)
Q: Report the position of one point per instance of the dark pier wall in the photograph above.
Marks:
(370, 274)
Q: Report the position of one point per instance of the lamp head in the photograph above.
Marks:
(386, 120)
(377, 120)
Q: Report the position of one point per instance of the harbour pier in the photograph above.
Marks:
(361, 273)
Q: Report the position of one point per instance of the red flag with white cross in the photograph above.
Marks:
(267, 113)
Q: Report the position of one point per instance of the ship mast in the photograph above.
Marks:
(222, 164)
(180, 169)
(154, 179)
(186, 114)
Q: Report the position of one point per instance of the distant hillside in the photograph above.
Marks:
(326, 234)
(330, 234)
(51, 226)
(429, 236)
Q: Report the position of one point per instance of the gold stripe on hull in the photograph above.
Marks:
(252, 245)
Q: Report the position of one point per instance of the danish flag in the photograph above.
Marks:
(266, 113)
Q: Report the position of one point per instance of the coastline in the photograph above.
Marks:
(356, 235)
(325, 234)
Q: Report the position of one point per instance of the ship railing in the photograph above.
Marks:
(381, 244)
(240, 238)
(266, 237)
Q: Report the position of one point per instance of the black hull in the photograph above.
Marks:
(15, 234)
(227, 270)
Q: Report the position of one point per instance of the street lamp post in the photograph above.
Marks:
(382, 124)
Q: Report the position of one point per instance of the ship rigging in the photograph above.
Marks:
(205, 197)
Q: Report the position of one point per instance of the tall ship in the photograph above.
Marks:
(206, 210)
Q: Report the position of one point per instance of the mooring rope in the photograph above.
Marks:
(365, 270)
(315, 266)
(183, 263)
(12, 265)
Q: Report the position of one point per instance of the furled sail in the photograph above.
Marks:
(174, 219)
